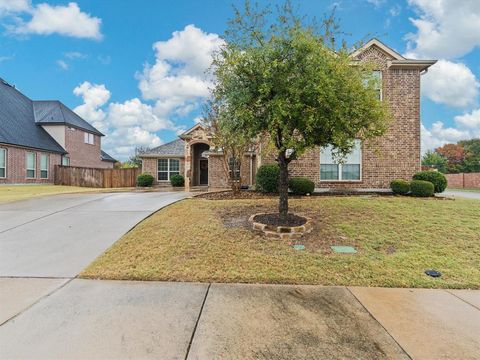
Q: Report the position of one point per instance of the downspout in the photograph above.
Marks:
(251, 169)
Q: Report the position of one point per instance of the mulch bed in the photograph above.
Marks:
(274, 220)
(251, 194)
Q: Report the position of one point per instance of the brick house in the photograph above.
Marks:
(395, 155)
(37, 135)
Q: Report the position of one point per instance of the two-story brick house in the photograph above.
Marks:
(394, 155)
(37, 135)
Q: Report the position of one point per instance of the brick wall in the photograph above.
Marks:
(82, 154)
(464, 180)
(16, 166)
(149, 165)
(216, 174)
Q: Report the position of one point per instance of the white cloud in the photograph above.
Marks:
(395, 10)
(445, 28)
(178, 75)
(469, 120)
(467, 126)
(174, 86)
(74, 55)
(14, 6)
(46, 19)
(94, 97)
(376, 3)
(452, 84)
(62, 64)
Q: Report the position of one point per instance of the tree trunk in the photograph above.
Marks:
(283, 187)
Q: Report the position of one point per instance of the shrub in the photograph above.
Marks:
(422, 188)
(177, 180)
(438, 180)
(301, 186)
(400, 187)
(267, 178)
(144, 180)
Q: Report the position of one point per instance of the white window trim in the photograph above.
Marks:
(34, 164)
(6, 162)
(48, 165)
(381, 84)
(168, 171)
(89, 138)
(65, 157)
(340, 169)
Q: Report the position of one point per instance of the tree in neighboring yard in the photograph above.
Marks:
(455, 155)
(233, 146)
(435, 160)
(472, 155)
(292, 86)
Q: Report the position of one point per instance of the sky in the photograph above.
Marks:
(135, 69)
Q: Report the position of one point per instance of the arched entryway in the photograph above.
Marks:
(199, 164)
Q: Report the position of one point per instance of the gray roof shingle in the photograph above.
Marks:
(17, 122)
(105, 157)
(54, 112)
(173, 148)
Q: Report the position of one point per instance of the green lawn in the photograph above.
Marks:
(397, 239)
(22, 192)
(467, 190)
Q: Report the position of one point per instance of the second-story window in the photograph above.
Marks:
(89, 138)
(377, 77)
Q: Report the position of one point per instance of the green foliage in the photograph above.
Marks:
(421, 188)
(301, 186)
(400, 186)
(434, 159)
(177, 180)
(288, 84)
(145, 180)
(472, 157)
(436, 178)
(267, 178)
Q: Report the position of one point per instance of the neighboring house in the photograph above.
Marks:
(37, 135)
(394, 155)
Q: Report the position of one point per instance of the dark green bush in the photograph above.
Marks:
(177, 180)
(145, 180)
(438, 180)
(422, 188)
(301, 186)
(400, 187)
(267, 178)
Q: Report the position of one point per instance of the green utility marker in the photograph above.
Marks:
(344, 249)
(299, 247)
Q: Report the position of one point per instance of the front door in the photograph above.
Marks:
(203, 172)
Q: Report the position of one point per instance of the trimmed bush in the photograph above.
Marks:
(400, 187)
(438, 180)
(422, 188)
(301, 186)
(144, 180)
(267, 178)
(177, 180)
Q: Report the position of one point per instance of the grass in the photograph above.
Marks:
(23, 192)
(397, 239)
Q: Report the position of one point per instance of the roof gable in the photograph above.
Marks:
(381, 46)
(175, 148)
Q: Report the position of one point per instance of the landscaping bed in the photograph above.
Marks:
(396, 238)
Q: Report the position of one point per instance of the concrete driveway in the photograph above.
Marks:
(58, 236)
(462, 194)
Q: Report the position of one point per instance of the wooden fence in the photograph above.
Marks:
(98, 178)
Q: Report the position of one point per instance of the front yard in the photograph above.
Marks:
(23, 192)
(397, 239)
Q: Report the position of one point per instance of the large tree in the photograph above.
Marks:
(434, 159)
(291, 85)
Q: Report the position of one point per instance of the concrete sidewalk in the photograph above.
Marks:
(80, 319)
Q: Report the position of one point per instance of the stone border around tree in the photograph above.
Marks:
(282, 232)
